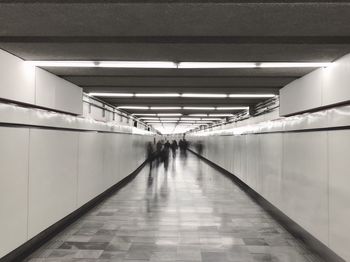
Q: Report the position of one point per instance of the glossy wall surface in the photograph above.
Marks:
(304, 173)
(47, 173)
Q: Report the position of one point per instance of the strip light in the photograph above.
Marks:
(144, 114)
(293, 64)
(198, 115)
(251, 95)
(112, 94)
(220, 115)
(158, 95)
(134, 107)
(198, 108)
(204, 95)
(181, 65)
(169, 114)
(165, 107)
(233, 108)
(184, 65)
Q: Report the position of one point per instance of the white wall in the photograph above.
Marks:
(46, 174)
(304, 174)
(22, 82)
(320, 88)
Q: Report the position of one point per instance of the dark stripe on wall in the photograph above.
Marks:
(292, 227)
(33, 244)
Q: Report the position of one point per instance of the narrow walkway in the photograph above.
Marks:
(189, 212)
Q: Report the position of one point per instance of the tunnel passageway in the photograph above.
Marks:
(185, 211)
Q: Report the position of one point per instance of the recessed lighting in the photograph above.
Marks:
(149, 118)
(293, 64)
(133, 107)
(165, 107)
(198, 115)
(144, 114)
(184, 65)
(137, 64)
(251, 95)
(167, 118)
(219, 115)
(157, 95)
(198, 108)
(169, 114)
(233, 108)
(112, 94)
(63, 63)
(189, 118)
(204, 95)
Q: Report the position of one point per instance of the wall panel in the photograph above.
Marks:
(13, 187)
(52, 177)
(339, 192)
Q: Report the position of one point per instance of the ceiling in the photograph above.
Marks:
(177, 30)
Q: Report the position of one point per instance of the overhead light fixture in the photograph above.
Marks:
(181, 65)
(251, 95)
(144, 114)
(169, 121)
(293, 64)
(198, 108)
(134, 107)
(203, 65)
(165, 107)
(204, 95)
(169, 114)
(149, 118)
(152, 121)
(189, 118)
(233, 108)
(137, 64)
(168, 118)
(157, 95)
(219, 115)
(198, 115)
(63, 63)
(112, 94)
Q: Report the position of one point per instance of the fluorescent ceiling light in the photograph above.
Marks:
(112, 94)
(149, 118)
(169, 114)
(183, 65)
(144, 114)
(198, 115)
(204, 95)
(63, 63)
(189, 118)
(133, 107)
(293, 64)
(152, 121)
(158, 95)
(251, 95)
(219, 115)
(233, 108)
(165, 107)
(167, 118)
(137, 64)
(198, 108)
(169, 121)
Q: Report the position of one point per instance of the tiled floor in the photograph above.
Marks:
(189, 212)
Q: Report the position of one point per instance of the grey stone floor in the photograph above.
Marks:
(189, 212)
